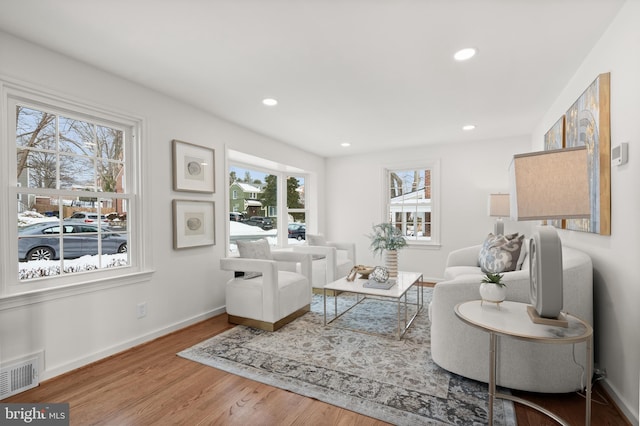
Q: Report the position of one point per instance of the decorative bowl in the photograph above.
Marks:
(364, 271)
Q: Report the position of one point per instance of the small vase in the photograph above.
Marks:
(492, 293)
(391, 262)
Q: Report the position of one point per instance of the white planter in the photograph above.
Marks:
(392, 263)
(492, 292)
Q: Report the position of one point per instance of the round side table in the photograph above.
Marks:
(511, 320)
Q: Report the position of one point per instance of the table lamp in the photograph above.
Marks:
(548, 185)
(498, 207)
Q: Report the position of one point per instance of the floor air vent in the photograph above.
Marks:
(18, 377)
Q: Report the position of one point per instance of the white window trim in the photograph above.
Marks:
(241, 159)
(15, 293)
(436, 220)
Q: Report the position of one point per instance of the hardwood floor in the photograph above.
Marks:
(150, 385)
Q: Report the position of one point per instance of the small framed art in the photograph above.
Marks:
(193, 167)
(193, 223)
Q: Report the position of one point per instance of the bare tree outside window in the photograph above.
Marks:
(66, 168)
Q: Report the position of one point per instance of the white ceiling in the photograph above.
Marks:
(376, 73)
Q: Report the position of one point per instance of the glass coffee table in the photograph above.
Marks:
(404, 282)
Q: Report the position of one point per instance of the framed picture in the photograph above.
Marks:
(193, 167)
(554, 138)
(588, 123)
(193, 223)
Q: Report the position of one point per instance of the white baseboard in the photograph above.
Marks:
(53, 371)
(629, 412)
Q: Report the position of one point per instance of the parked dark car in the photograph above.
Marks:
(263, 222)
(41, 241)
(297, 231)
(236, 217)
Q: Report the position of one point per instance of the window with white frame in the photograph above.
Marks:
(296, 209)
(412, 201)
(257, 191)
(74, 203)
(263, 192)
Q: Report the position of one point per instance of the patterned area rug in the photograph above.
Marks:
(382, 377)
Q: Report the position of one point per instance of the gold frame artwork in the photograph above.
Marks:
(554, 139)
(588, 122)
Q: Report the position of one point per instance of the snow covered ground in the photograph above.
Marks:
(48, 268)
(242, 231)
(28, 218)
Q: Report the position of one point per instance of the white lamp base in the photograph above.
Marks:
(561, 321)
(498, 227)
(545, 272)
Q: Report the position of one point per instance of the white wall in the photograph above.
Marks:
(469, 172)
(187, 285)
(615, 257)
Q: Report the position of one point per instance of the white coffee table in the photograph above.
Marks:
(398, 294)
(511, 320)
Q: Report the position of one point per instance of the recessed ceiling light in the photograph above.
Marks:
(345, 144)
(468, 127)
(464, 54)
(270, 102)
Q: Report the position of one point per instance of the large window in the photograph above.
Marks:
(412, 202)
(257, 195)
(254, 198)
(72, 192)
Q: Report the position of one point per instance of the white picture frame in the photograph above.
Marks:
(193, 223)
(193, 167)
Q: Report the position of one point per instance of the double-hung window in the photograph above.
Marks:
(72, 190)
(412, 201)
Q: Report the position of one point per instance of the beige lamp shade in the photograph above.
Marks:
(499, 205)
(550, 185)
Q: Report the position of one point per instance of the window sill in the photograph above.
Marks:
(16, 300)
(423, 246)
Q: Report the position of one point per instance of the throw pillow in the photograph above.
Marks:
(258, 249)
(523, 254)
(316, 240)
(500, 253)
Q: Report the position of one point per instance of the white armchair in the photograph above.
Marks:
(274, 298)
(331, 260)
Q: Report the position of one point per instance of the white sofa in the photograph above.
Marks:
(534, 367)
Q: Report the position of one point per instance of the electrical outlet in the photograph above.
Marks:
(141, 309)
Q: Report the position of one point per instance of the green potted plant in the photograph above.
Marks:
(492, 288)
(387, 238)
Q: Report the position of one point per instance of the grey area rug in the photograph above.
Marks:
(381, 377)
